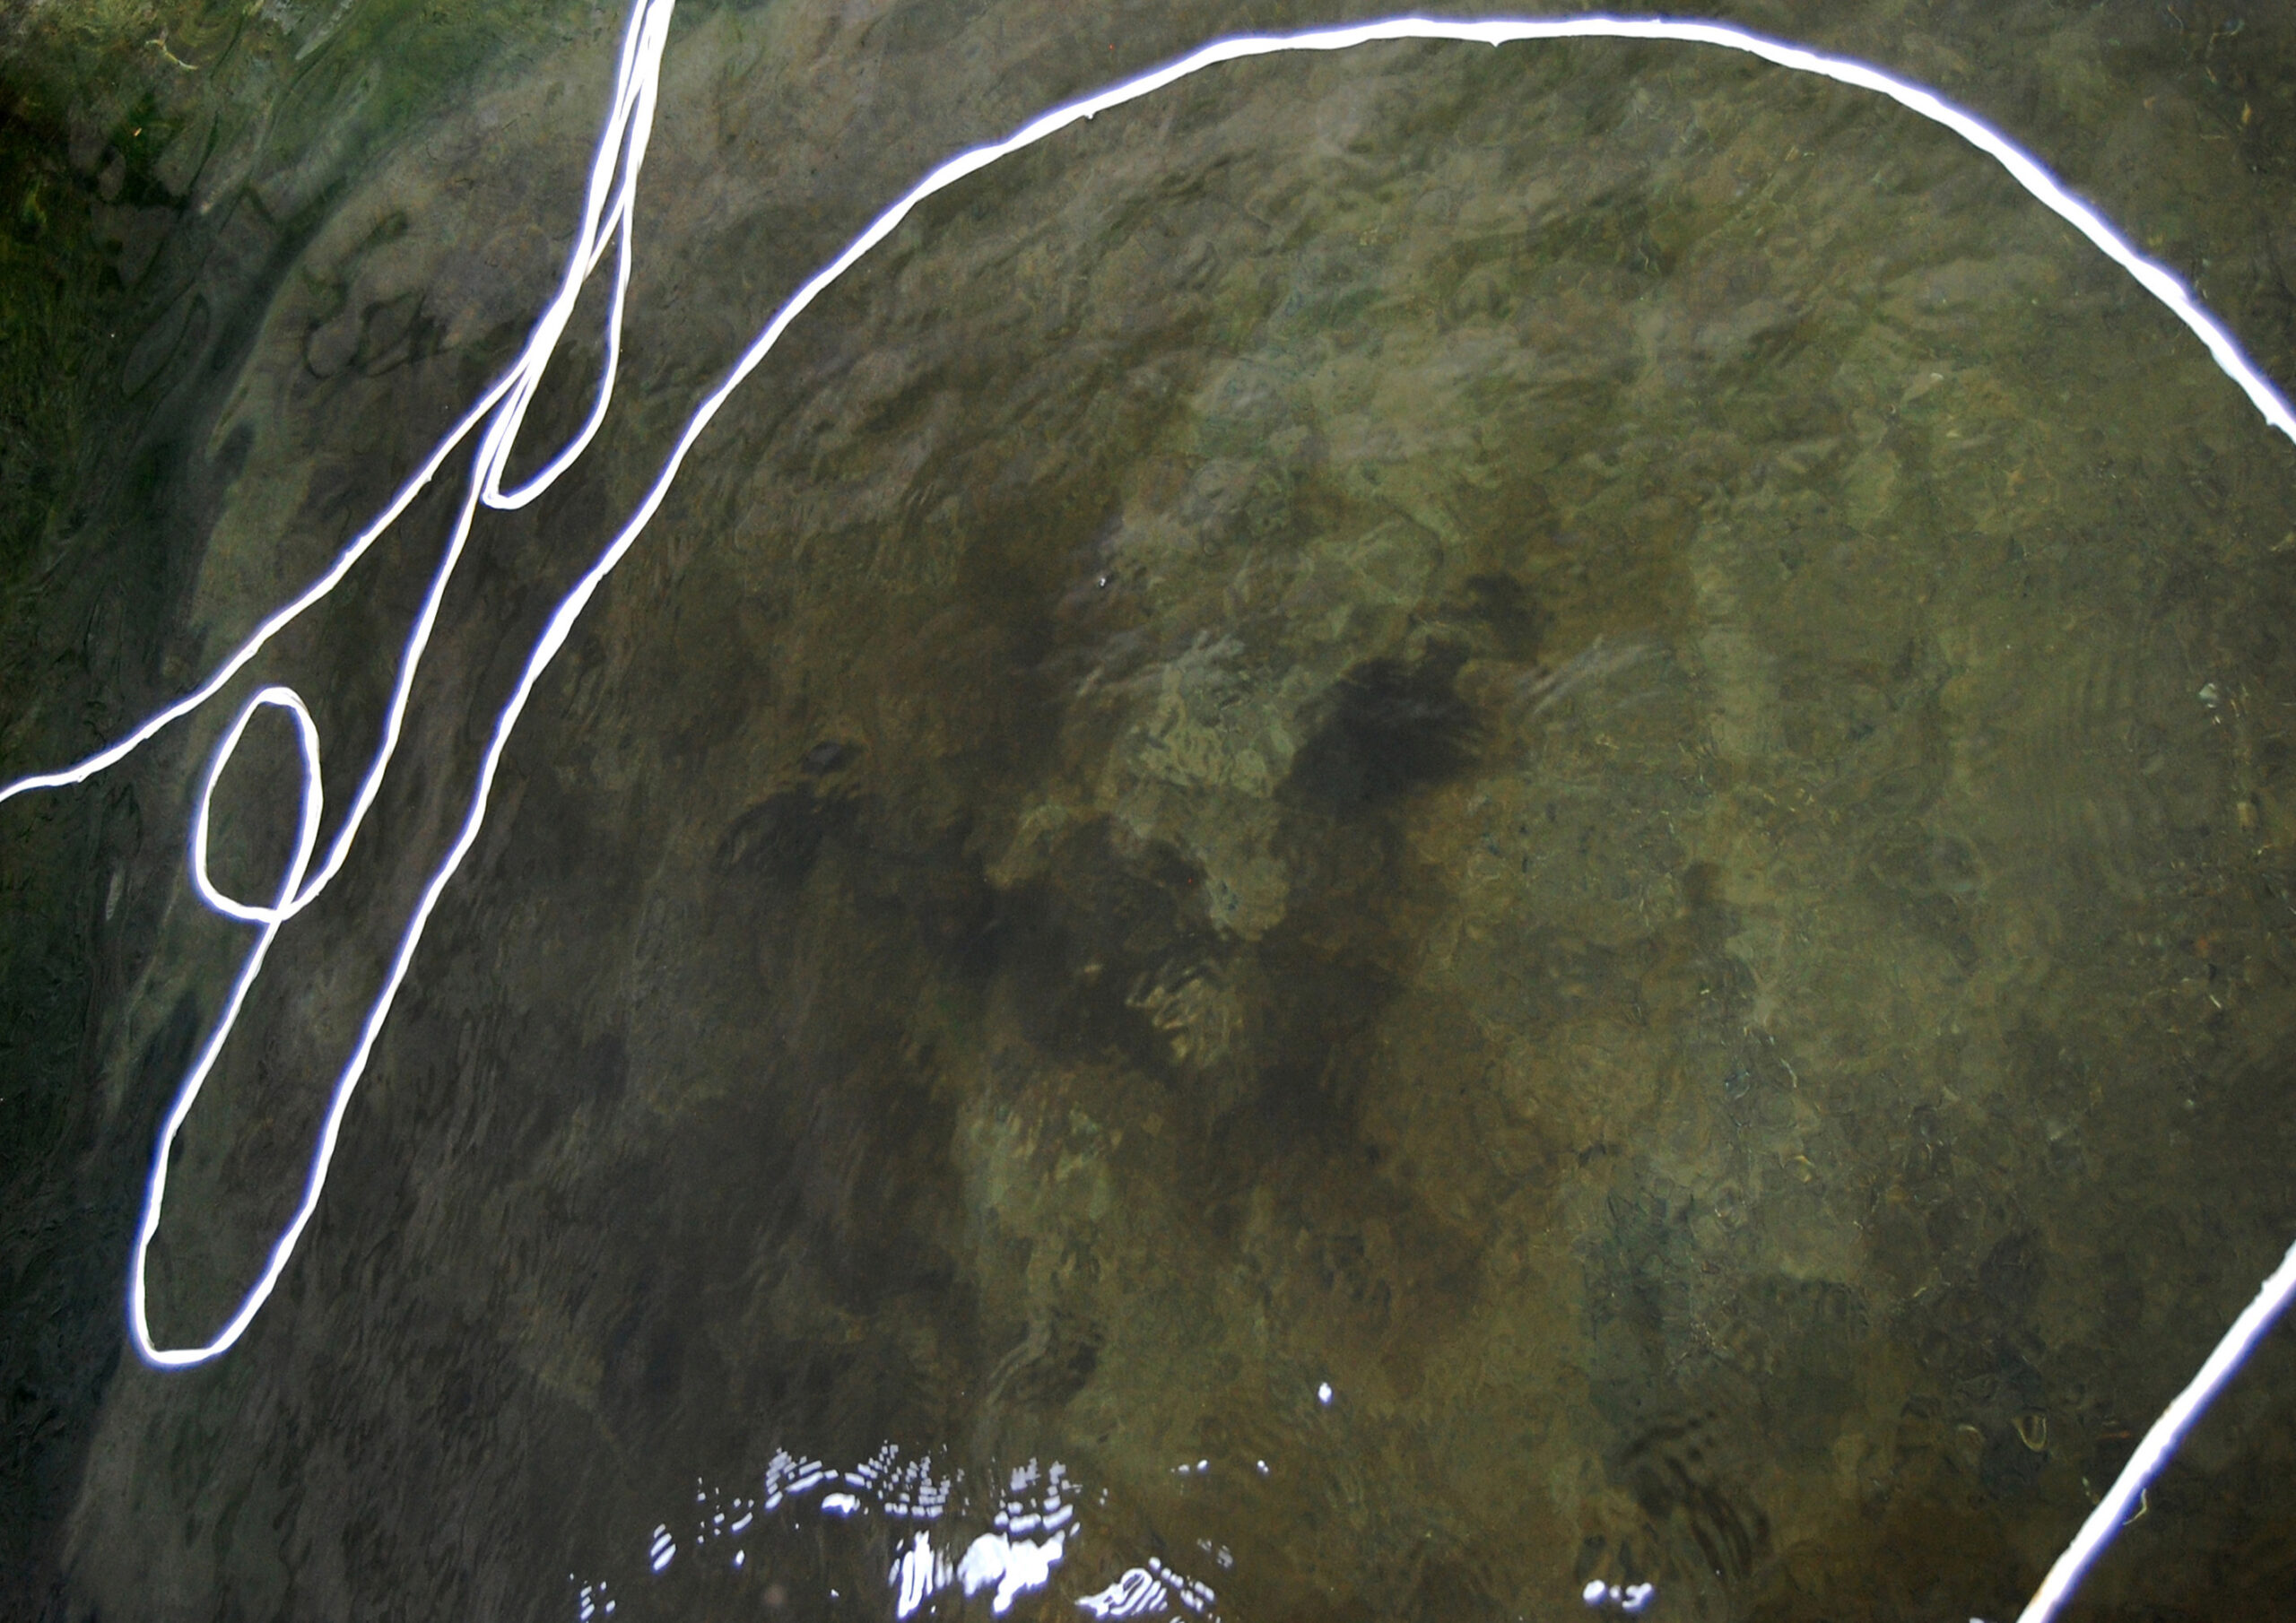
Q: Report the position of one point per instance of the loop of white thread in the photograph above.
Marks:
(269, 919)
(628, 127)
(306, 738)
(608, 221)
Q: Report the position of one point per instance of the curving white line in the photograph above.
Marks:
(607, 220)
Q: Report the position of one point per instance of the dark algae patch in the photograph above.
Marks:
(1390, 728)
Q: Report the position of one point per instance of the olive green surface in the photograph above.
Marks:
(1585, 739)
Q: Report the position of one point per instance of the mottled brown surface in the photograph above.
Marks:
(1582, 738)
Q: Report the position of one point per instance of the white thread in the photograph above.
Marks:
(605, 213)
(2113, 1511)
(628, 128)
(307, 735)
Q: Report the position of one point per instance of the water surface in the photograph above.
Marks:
(1407, 831)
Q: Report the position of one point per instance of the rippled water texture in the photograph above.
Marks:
(1407, 831)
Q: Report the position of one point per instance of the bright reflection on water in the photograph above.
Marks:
(1001, 1546)
(945, 1538)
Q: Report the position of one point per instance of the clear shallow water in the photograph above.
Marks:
(1577, 740)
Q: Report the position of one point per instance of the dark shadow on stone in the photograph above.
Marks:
(1078, 943)
(1516, 621)
(1673, 1474)
(1390, 727)
(777, 838)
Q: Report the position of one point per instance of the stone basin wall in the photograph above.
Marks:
(1583, 740)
